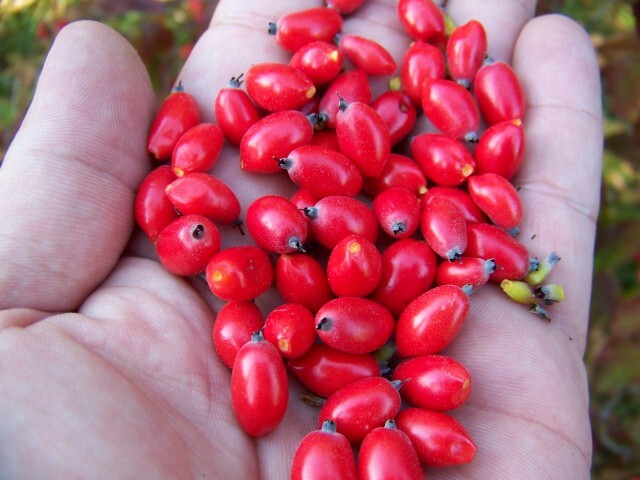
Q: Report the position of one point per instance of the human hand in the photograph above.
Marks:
(106, 360)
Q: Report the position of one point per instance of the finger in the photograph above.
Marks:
(560, 176)
(502, 20)
(68, 180)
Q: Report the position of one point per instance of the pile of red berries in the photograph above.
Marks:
(376, 254)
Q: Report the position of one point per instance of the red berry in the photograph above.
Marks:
(177, 114)
(397, 211)
(276, 87)
(444, 160)
(472, 271)
(488, 241)
(444, 228)
(259, 387)
(431, 321)
(345, 6)
(408, 270)
(500, 149)
(290, 327)
(354, 267)
(326, 138)
(295, 30)
(187, 243)
(438, 438)
(361, 406)
(300, 278)
(499, 93)
(337, 216)
(466, 50)
(276, 224)
(461, 199)
(398, 113)
(352, 86)
(322, 171)
(234, 324)
(153, 210)
(324, 370)
(204, 194)
(399, 171)
(240, 273)
(498, 198)
(197, 150)
(320, 61)
(434, 382)
(451, 109)
(354, 324)
(366, 54)
(275, 135)
(420, 62)
(386, 453)
(363, 136)
(324, 453)
(235, 111)
(422, 20)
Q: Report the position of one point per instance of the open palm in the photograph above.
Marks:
(107, 368)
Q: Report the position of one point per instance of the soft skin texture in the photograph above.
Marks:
(107, 368)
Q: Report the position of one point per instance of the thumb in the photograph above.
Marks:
(68, 181)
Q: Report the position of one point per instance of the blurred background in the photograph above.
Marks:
(163, 32)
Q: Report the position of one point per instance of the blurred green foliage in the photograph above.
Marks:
(163, 31)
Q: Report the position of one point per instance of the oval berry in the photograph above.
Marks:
(444, 160)
(398, 113)
(276, 224)
(197, 150)
(322, 171)
(397, 211)
(324, 453)
(234, 324)
(387, 452)
(352, 86)
(488, 241)
(177, 114)
(294, 30)
(354, 324)
(186, 245)
(422, 20)
(354, 267)
(431, 321)
(500, 149)
(444, 228)
(420, 62)
(498, 198)
(499, 93)
(300, 278)
(439, 439)
(399, 171)
(472, 271)
(320, 61)
(235, 111)
(408, 270)
(240, 273)
(276, 87)
(204, 194)
(291, 328)
(152, 209)
(434, 382)
(466, 51)
(324, 370)
(461, 199)
(275, 135)
(361, 406)
(363, 137)
(345, 7)
(366, 54)
(259, 387)
(451, 109)
(326, 138)
(337, 216)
